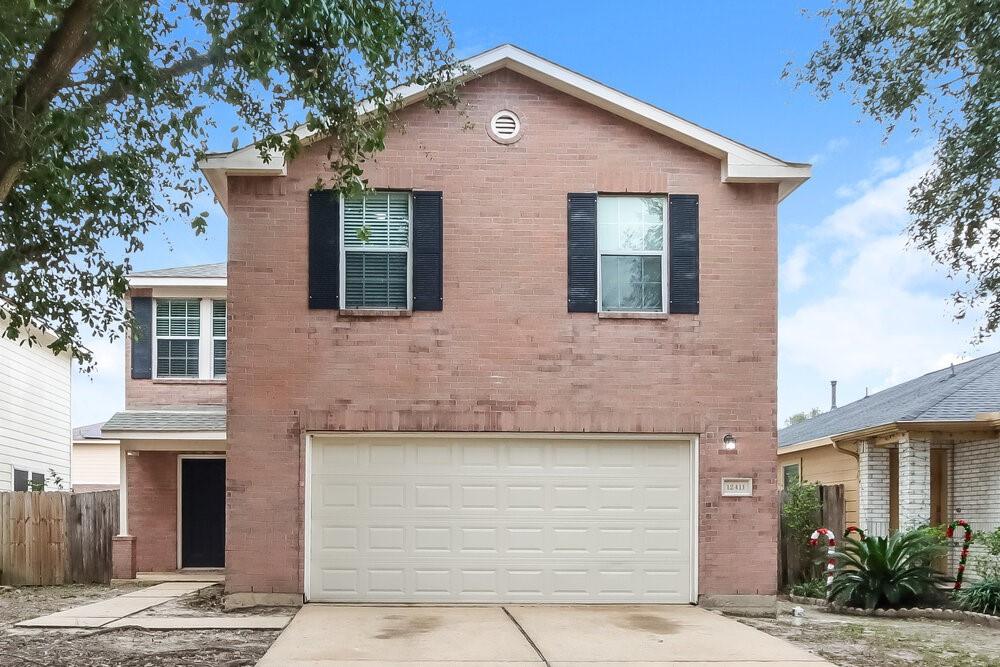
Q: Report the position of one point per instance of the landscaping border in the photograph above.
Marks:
(937, 614)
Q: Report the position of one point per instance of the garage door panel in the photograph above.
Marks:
(372, 495)
(570, 582)
(457, 519)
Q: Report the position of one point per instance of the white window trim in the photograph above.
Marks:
(206, 340)
(409, 257)
(664, 254)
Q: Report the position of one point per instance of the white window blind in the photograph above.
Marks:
(178, 328)
(376, 242)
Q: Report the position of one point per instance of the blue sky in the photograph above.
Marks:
(855, 304)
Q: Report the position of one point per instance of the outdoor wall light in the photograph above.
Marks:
(729, 441)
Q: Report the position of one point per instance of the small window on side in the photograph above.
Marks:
(791, 475)
(20, 480)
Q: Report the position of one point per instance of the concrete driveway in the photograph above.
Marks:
(513, 635)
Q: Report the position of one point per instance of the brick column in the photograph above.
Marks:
(123, 561)
(914, 483)
(873, 489)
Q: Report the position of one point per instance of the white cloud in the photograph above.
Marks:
(877, 312)
(793, 271)
(100, 394)
(832, 146)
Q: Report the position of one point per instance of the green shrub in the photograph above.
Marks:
(986, 563)
(800, 515)
(813, 588)
(887, 572)
(981, 596)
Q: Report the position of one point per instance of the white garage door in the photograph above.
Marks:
(496, 519)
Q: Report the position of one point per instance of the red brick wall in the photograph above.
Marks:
(161, 393)
(504, 355)
(152, 509)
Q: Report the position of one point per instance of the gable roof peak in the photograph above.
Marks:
(739, 163)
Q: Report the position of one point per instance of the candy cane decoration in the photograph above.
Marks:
(854, 529)
(961, 523)
(831, 543)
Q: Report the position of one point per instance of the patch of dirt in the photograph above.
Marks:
(854, 641)
(24, 647)
(208, 602)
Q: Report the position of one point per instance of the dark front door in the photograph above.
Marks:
(203, 512)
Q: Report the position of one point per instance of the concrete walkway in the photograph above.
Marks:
(121, 612)
(520, 635)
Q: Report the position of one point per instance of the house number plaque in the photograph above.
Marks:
(737, 487)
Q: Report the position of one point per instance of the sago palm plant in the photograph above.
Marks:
(887, 572)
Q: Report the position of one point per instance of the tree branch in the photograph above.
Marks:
(63, 49)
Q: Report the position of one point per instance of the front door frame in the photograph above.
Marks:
(180, 488)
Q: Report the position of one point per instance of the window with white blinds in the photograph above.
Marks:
(219, 338)
(376, 250)
(178, 332)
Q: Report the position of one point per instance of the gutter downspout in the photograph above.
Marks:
(836, 446)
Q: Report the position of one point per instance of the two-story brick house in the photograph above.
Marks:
(520, 368)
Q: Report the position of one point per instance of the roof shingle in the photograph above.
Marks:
(194, 271)
(958, 393)
(166, 420)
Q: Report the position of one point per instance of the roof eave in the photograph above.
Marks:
(168, 435)
(174, 281)
(740, 163)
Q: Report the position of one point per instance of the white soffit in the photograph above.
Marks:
(740, 163)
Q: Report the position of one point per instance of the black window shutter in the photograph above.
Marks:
(428, 250)
(20, 480)
(142, 338)
(582, 258)
(684, 254)
(324, 250)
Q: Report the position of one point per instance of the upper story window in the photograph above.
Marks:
(375, 266)
(178, 333)
(631, 250)
(190, 338)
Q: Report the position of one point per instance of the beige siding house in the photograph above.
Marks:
(96, 459)
(926, 451)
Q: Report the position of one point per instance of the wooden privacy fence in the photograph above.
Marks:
(795, 561)
(52, 537)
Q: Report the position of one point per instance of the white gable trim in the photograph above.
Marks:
(740, 163)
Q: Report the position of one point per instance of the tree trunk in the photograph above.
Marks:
(63, 49)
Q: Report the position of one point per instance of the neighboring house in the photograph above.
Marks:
(35, 426)
(923, 452)
(506, 374)
(96, 464)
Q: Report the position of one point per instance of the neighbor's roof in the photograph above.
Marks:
(193, 271)
(204, 275)
(956, 393)
(159, 421)
(740, 163)
(88, 432)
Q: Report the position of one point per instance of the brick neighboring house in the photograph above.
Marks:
(506, 374)
(926, 451)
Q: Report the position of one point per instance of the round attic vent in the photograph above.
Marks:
(505, 127)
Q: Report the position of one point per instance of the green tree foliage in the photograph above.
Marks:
(800, 417)
(800, 516)
(887, 572)
(986, 561)
(104, 109)
(902, 60)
